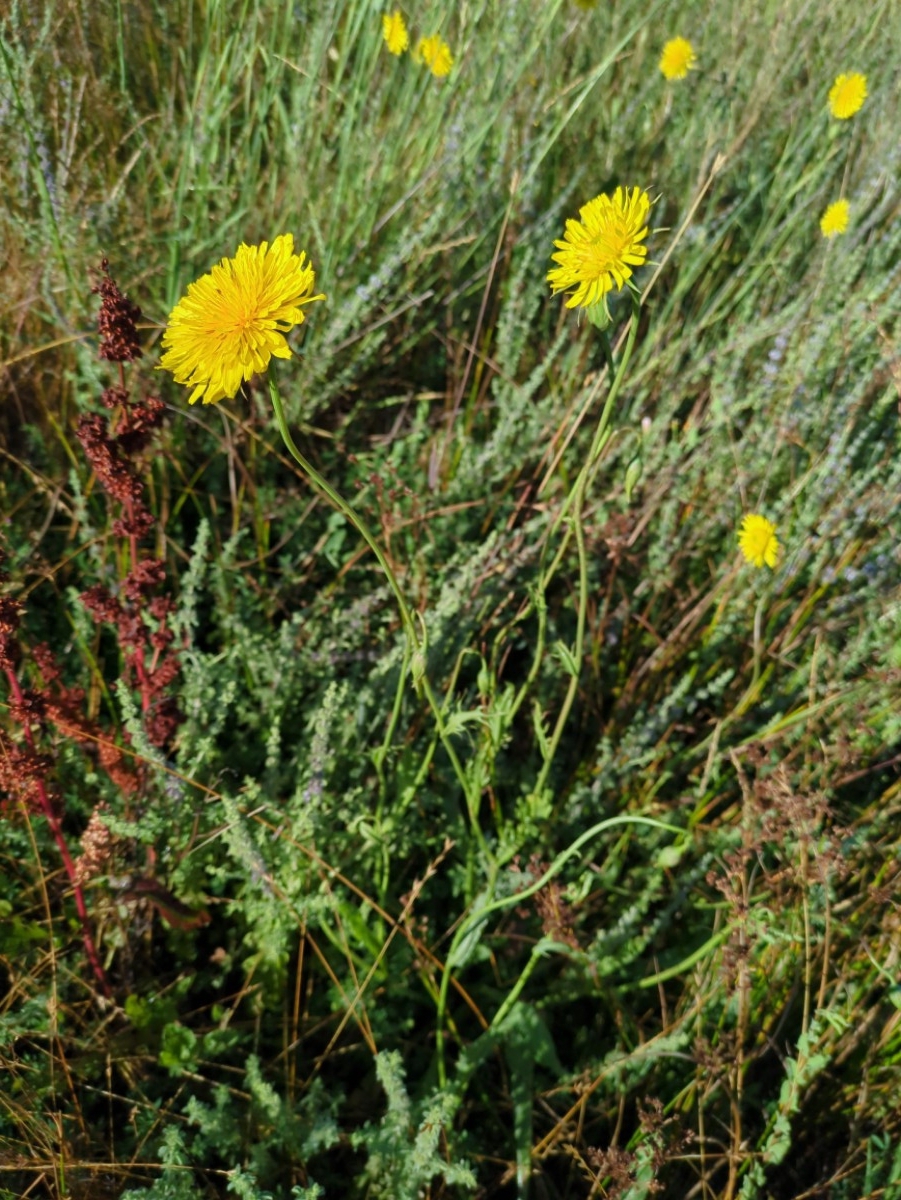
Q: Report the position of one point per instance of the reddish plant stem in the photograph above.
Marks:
(138, 654)
(56, 829)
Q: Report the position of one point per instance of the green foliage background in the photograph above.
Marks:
(674, 964)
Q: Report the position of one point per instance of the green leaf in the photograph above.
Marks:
(527, 1043)
(541, 736)
(464, 949)
(565, 655)
(178, 1049)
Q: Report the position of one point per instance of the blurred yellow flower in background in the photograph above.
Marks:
(598, 251)
(394, 32)
(835, 219)
(436, 55)
(847, 94)
(231, 322)
(757, 540)
(678, 58)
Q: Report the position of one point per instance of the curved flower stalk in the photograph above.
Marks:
(228, 327)
(596, 255)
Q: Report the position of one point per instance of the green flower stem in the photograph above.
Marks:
(608, 354)
(755, 688)
(478, 915)
(415, 652)
(338, 502)
(758, 639)
(539, 951)
(577, 496)
(380, 755)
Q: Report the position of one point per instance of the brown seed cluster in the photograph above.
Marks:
(10, 614)
(558, 917)
(138, 608)
(96, 848)
(23, 770)
(64, 707)
(40, 703)
(117, 321)
(618, 1169)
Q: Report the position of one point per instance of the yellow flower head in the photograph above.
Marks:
(835, 219)
(436, 55)
(847, 94)
(598, 251)
(231, 322)
(394, 32)
(678, 58)
(757, 540)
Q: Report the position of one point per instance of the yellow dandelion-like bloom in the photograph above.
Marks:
(757, 540)
(835, 219)
(230, 323)
(847, 94)
(435, 53)
(394, 31)
(599, 250)
(678, 58)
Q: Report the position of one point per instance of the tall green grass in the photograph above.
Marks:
(673, 965)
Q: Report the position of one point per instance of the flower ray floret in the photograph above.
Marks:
(394, 31)
(597, 252)
(835, 219)
(436, 54)
(847, 94)
(757, 540)
(231, 322)
(677, 59)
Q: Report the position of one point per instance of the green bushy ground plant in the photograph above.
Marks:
(616, 913)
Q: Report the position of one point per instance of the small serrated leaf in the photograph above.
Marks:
(565, 655)
(461, 953)
(544, 745)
